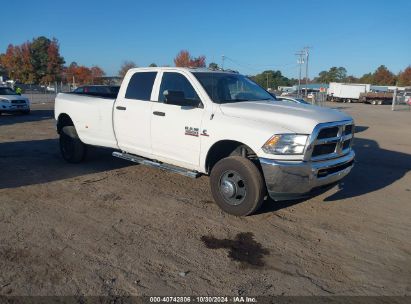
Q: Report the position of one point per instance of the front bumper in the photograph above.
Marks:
(14, 108)
(290, 179)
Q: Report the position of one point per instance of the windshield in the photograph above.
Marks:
(7, 91)
(226, 88)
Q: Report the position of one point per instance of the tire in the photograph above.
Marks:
(25, 112)
(237, 186)
(373, 102)
(72, 148)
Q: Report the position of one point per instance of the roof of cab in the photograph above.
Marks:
(201, 70)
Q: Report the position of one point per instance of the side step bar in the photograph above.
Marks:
(147, 162)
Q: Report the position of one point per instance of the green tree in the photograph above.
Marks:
(45, 59)
(334, 74)
(351, 79)
(273, 78)
(213, 66)
(153, 65)
(367, 78)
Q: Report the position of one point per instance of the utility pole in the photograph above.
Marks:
(300, 61)
(222, 64)
(307, 53)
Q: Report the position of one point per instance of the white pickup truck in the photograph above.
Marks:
(222, 124)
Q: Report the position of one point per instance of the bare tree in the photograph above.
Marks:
(125, 67)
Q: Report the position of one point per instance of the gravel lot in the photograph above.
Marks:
(107, 227)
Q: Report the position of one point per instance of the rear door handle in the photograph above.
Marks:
(159, 113)
(121, 108)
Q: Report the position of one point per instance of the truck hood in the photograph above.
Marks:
(297, 118)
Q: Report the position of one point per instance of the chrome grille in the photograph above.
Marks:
(330, 140)
(18, 101)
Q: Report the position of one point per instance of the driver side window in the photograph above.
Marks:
(176, 82)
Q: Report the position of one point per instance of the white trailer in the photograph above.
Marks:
(347, 92)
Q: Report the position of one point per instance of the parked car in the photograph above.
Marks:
(11, 102)
(50, 89)
(221, 124)
(407, 98)
(293, 99)
(98, 90)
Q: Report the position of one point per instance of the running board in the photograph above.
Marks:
(147, 162)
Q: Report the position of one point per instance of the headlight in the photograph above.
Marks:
(5, 100)
(286, 144)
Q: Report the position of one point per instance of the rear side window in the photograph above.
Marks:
(141, 85)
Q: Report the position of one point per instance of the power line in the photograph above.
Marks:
(255, 67)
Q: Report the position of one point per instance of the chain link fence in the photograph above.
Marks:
(42, 93)
(318, 98)
(401, 101)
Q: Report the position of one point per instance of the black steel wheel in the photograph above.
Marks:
(237, 185)
(72, 148)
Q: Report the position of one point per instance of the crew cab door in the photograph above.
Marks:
(176, 121)
(132, 113)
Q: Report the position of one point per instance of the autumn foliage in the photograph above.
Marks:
(383, 76)
(36, 61)
(184, 59)
(39, 61)
(404, 79)
(80, 74)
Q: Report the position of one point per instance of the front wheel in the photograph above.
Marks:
(72, 148)
(237, 186)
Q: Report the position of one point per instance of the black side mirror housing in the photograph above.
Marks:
(178, 98)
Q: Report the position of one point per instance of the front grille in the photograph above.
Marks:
(18, 101)
(328, 132)
(346, 144)
(348, 129)
(324, 149)
(331, 140)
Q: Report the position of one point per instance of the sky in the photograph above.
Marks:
(252, 35)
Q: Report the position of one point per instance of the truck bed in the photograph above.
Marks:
(101, 95)
(91, 115)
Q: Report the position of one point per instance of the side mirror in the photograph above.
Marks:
(174, 97)
(177, 98)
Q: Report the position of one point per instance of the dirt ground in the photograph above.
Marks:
(108, 227)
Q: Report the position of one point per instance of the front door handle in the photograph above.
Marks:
(121, 108)
(159, 113)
